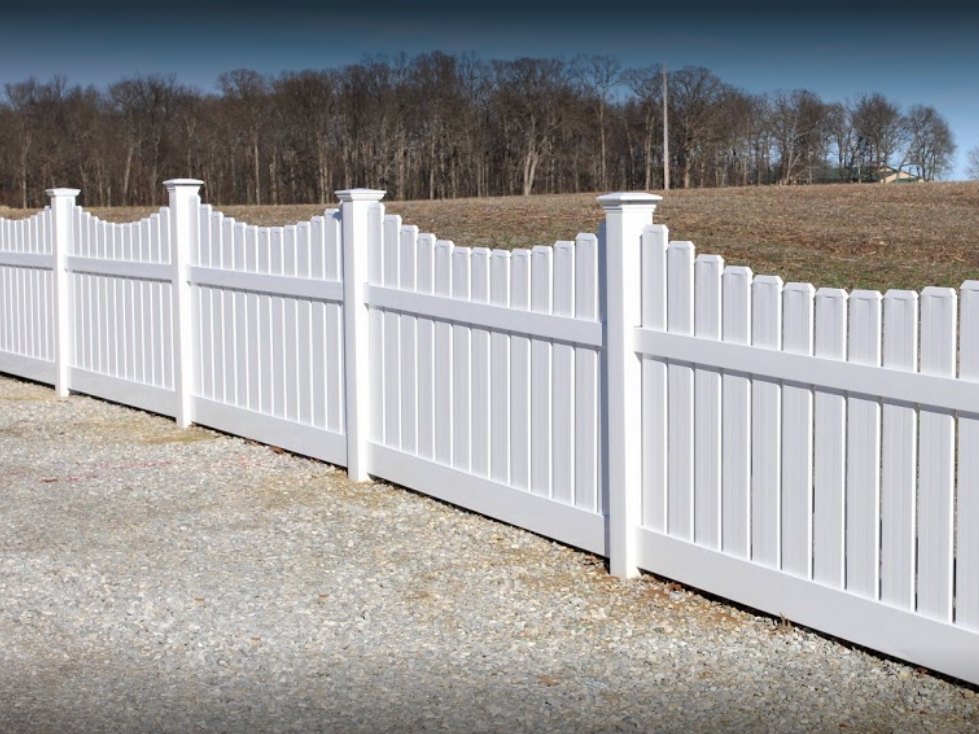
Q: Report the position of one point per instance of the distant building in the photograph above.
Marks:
(893, 175)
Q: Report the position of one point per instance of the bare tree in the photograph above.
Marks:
(932, 143)
(598, 76)
(881, 131)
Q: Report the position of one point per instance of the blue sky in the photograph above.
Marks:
(913, 53)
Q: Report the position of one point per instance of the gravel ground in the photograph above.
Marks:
(154, 579)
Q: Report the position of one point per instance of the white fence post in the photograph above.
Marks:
(626, 214)
(360, 220)
(62, 208)
(184, 206)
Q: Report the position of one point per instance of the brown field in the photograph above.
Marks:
(848, 236)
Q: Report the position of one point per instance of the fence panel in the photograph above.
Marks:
(27, 306)
(269, 342)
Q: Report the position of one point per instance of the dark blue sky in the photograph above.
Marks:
(914, 53)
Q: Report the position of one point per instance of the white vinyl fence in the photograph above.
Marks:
(810, 453)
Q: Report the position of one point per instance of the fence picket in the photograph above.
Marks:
(936, 459)
(541, 301)
(443, 358)
(829, 444)
(766, 426)
(481, 370)
(586, 378)
(562, 401)
(407, 281)
(500, 372)
(967, 495)
(426, 351)
(391, 325)
(461, 372)
(899, 455)
(797, 439)
(707, 405)
(376, 320)
(336, 414)
(654, 243)
(680, 424)
(863, 453)
(520, 375)
(736, 417)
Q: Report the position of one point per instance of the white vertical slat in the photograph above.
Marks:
(967, 497)
(899, 455)
(655, 239)
(829, 443)
(407, 281)
(541, 301)
(203, 255)
(863, 453)
(280, 360)
(426, 351)
(520, 375)
(736, 419)
(797, 440)
(500, 372)
(375, 276)
(481, 368)
(462, 364)
(333, 322)
(564, 391)
(259, 398)
(587, 484)
(166, 335)
(707, 405)
(443, 357)
(936, 459)
(680, 421)
(392, 335)
(307, 375)
(291, 362)
(766, 426)
(205, 379)
(320, 347)
(242, 336)
(105, 325)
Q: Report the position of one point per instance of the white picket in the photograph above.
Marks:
(587, 430)
(736, 418)
(829, 444)
(500, 372)
(707, 405)
(481, 374)
(520, 375)
(333, 318)
(562, 402)
(863, 453)
(443, 358)
(391, 366)
(376, 323)
(797, 437)
(766, 426)
(936, 459)
(426, 351)
(461, 374)
(654, 243)
(967, 490)
(407, 281)
(899, 457)
(680, 421)
(541, 301)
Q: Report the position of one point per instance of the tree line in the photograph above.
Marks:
(438, 125)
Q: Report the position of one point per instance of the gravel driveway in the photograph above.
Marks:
(154, 579)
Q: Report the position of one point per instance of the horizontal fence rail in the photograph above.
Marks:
(808, 452)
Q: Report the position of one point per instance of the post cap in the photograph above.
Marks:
(175, 182)
(62, 193)
(623, 199)
(348, 195)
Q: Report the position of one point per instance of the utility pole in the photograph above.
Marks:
(666, 136)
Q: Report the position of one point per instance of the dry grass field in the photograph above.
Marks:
(848, 236)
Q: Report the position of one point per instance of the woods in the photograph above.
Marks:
(439, 125)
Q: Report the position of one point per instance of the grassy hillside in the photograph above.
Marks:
(866, 236)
